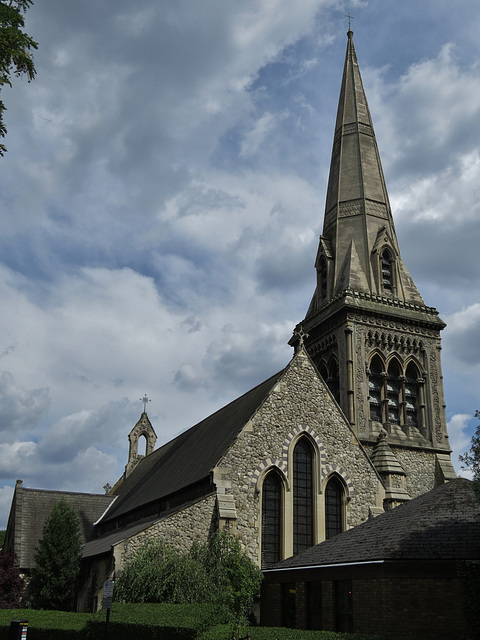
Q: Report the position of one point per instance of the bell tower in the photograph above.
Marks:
(368, 330)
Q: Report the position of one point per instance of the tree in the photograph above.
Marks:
(57, 560)
(216, 572)
(15, 47)
(471, 459)
(12, 584)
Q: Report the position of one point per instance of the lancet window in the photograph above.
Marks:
(323, 278)
(303, 486)
(387, 270)
(330, 374)
(272, 492)
(334, 493)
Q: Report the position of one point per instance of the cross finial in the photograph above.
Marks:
(347, 15)
(145, 399)
(301, 336)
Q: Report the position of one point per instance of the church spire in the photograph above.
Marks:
(358, 248)
(374, 341)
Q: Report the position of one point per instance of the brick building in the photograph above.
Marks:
(396, 576)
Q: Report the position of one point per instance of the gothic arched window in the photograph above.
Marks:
(334, 378)
(411, 394)
(394, 389)
(303, 513)
(323, 278)
(387, 270)
(333, 508)
(271, 519)
(375, 385)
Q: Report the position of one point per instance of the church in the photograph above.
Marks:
(353, 426)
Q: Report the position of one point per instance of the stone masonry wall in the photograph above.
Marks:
(300, 402)
(194, 522)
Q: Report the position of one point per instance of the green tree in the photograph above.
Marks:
(57, 560)
(15, 48)
(216, 572)
(471, 459)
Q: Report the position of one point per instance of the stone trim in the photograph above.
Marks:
(261, 471)
(333, 469)
(295, 434)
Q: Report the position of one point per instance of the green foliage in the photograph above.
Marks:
(57, 560)
(3, 533)
(216, 572)
(12, 585)
(471, 459)
(224, 632)
(15, 48)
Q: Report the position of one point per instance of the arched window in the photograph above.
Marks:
(394, 388)
(387, 270)
(411, 393)
(271, 519)
(375, 385)
(302, 496)
(323, 278)
(333, 508)
(334, 378)
(323, 370)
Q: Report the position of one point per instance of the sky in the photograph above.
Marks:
(163, 194)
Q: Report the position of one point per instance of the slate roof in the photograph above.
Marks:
(31, 507)
(443, 524)
(191, 456)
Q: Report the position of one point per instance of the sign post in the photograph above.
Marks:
(107, 602)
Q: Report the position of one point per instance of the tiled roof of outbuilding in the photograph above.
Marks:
(443, 524)
(191, 456)
(30, 509)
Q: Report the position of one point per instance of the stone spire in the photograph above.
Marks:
(374, 341)
(358, 225)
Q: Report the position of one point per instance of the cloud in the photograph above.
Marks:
(460, 441)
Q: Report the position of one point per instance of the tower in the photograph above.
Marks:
(368, 330)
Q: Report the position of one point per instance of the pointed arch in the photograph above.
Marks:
(303, 495)
(334, 506)
(394, 391)
(376, 386)
(333, 380)
(272, 508)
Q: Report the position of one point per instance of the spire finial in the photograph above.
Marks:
(347, 15)
(145, 399)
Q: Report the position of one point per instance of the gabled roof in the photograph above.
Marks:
(31, 507)
(443, 524)
(190, 457)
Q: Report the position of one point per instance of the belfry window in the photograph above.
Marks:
(333, 508)
(411, 404)
(302, 496)
(387, 270)
(394, 388)
(271, 519)
(375, 385)
(323, 278)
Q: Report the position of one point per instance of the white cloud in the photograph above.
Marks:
(460, 440)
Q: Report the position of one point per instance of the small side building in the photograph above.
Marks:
(396, 575)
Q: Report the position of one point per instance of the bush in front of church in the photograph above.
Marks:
(216, 572)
